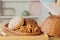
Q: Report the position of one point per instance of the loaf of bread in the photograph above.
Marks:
(51, 26)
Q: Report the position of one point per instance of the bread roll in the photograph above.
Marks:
(16, 22)
(51, 26)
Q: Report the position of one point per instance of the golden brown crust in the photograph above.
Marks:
(28, 29)
(51, 26)
(16, 22)
(19, 24)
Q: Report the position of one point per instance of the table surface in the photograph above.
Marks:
(11, 36)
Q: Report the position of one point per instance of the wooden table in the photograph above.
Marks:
(11, 36)
(54, 38)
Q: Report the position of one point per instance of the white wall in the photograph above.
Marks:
(20, 6)
(20, 0)
(44, 13)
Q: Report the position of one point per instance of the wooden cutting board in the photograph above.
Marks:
(11, 36)
(40, 37)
